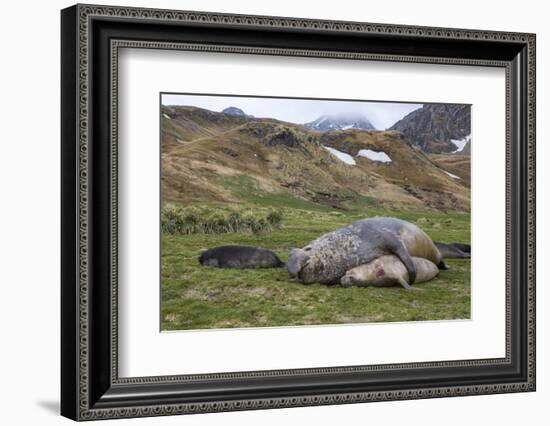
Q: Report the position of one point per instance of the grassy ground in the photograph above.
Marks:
(196, 297)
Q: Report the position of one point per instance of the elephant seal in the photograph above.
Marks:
(235, 256)
(326, 259)
(466, 248)
(454, 250)
(387, 271)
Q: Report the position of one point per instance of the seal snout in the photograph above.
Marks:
(296, 262)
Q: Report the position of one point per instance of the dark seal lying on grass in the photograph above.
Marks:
(326, 259)
(453, 250)
(234, 256)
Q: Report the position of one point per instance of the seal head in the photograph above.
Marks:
(296, 262)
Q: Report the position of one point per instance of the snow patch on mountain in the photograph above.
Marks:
(379, 156)
(449, 174)
(342, 156)
(461, 143)
(166, 116)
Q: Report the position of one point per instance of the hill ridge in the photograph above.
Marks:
(203, 153)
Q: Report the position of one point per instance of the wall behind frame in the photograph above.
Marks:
(29, 219)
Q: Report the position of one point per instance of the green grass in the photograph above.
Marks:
(247, 190)
(197, 297)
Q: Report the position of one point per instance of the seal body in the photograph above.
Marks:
(387, 271)
(454, 250)
(329, 257)
(466, 248)
(235, 256)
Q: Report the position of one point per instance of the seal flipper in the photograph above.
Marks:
(442, 265)
(402, 253)
(405, 284)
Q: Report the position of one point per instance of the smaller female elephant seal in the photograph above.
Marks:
(386, 271)
(234, 256)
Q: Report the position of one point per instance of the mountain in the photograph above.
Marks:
(182, 124)
(467, 148)
(340, 122)
(235, 111)
(434, 127)
(457, 164)
(216, 157)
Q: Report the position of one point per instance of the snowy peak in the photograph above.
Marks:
(326, 123)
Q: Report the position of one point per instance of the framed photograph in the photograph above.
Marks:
(263, 212)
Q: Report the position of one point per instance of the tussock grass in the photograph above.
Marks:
(176, 220)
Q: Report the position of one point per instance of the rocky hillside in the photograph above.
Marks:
(183, 124)
(467, 149)
(209, 156)
(456, 164)
(437, 128)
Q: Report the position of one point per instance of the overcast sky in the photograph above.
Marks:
(381, 114)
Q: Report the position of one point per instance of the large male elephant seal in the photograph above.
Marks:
(326, 259)
(234, 256)
(387, 271)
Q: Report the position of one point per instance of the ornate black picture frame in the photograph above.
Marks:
(91, 36)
